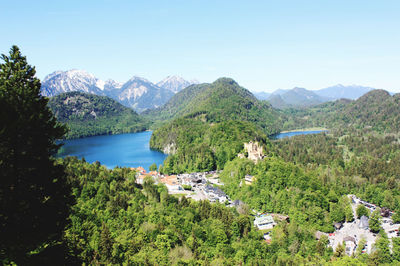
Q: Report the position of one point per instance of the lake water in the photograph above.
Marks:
(296, 133)
(129, 150)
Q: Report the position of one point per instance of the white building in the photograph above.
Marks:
(264, 221)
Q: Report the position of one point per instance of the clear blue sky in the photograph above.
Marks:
(264, 45)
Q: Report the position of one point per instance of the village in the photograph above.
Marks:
(198, 186)
(351, 233)
(206, 186)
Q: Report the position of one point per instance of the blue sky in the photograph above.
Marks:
(264, 45)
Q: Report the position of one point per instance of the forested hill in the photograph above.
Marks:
(221, 100)
(214, 121)
(89, 115)
(376, 110)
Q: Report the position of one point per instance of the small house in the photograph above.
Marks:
(264, 221)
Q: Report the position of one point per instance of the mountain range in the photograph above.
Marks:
(300, 97)
(137, 93)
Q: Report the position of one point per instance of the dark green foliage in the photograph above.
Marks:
(33, 191)
(89, 115)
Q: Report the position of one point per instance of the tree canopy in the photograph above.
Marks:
(33, 192)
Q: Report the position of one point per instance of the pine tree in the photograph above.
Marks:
(106, 244)
(375, 221)
(33, 191)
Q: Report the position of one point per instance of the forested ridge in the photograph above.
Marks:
(221, 100)
(376, 110)
(210, 123)
(89, 115)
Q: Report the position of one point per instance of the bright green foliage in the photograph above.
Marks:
(90, 115)
(376, 109)
(210, 125)
(33, 193)
(280, 187)
(382, 252)
(396, 249)
(375, 221)
(337, 212)
(348, 212)
(115, 222)
(361, 210)
(360, 247)
(396, 217)
(202, 146)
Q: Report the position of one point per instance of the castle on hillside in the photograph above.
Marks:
(254, 151)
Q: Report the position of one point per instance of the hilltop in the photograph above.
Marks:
(214, 102)
(207, 125)
(376, 110)
(88, 115)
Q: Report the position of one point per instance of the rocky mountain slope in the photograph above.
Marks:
(137, 93)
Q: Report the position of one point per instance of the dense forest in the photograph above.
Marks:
(89, 115)
(376, 110)
(196, 146)
(221, 100)
(210, 126)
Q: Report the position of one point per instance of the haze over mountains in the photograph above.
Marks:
(300, 97)
(137, 93)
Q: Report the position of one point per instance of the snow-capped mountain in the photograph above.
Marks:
(137, 93)
(175, 83)
(72, 80)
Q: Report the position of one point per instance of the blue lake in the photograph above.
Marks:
(129, 150)
(296, 133)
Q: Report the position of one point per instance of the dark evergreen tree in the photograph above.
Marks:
(33, 192)
(106, 244)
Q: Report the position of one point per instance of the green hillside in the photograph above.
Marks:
(376, 110)
(221, 100)
(90, 115)
(214, 120)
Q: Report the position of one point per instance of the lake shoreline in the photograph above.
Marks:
(305, 129)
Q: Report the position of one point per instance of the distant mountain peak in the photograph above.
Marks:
(343, 91)
(137, 93)
(137, 78)
(174, 83)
